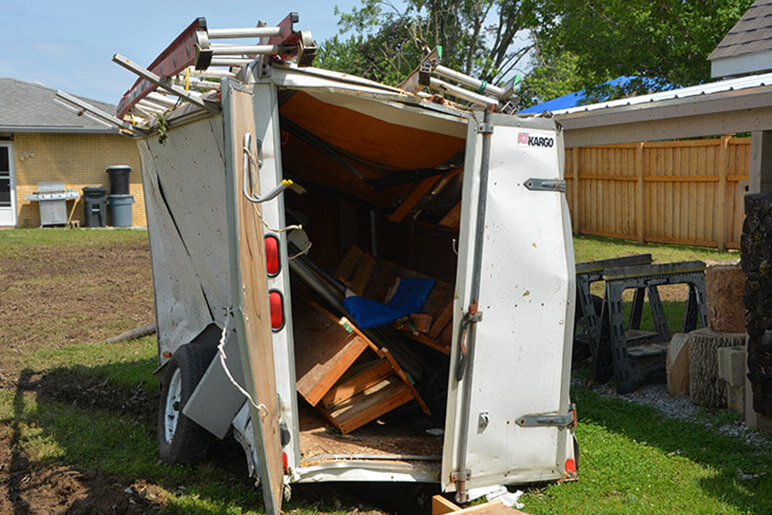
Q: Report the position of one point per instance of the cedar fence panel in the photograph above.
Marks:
(687, 192)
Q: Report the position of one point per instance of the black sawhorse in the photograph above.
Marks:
(634, 354)
(587, 273)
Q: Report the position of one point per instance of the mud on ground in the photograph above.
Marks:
(52, 297)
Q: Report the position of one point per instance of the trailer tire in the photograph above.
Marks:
(180, 440)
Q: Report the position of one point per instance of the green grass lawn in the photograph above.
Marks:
(633, 460)
(590, 248)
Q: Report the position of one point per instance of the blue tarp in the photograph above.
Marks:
(572, 99)
(410, 297)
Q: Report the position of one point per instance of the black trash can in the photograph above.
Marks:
(119, 179)
(95, 206)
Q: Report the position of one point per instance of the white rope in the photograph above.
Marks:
(221, 351)
(304, 251)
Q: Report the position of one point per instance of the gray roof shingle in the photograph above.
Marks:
(29, 107)
(751, 34)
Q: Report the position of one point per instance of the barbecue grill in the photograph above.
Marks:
(52, 198)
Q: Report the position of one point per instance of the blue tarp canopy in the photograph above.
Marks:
(572, 99)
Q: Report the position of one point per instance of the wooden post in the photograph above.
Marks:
(576, 210)
(723, 171)
(640, 223)
(760, 173)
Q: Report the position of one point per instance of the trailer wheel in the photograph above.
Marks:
(180, 440)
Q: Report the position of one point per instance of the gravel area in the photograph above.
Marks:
(656, 396)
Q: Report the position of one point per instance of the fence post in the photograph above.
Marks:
(639, 194)
(723, 171)
(577, 211)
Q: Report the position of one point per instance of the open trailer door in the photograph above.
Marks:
(244, 133)
(508, 419)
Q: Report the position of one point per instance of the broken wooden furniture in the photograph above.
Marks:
(349, 379)
(372, 278)
(637, 354)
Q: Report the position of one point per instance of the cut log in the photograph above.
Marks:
(705, 388)
(724, 287)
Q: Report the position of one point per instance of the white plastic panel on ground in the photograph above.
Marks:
(519, 366)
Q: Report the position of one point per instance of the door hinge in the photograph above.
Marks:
(547, 420)
(460, 478)
(546, 185)
(485, 128)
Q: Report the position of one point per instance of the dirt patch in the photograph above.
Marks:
(68, 387)
(52, 297)
(44, 489)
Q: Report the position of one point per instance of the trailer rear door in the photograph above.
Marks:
(510, 362)
(249, 289)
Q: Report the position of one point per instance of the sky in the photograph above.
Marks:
(69, 45)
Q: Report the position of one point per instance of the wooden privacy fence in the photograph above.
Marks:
(688, 192)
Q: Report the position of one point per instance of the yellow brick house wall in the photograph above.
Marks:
(78, 160)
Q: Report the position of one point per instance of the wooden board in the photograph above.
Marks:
(357, 380)
(324, 350)
(252, 294)
(369, 404)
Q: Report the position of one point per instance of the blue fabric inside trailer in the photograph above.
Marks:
(410, 297)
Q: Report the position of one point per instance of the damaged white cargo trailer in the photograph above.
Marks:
(468, 197)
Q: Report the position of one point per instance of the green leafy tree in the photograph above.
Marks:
(664, 43)
(552, 76)
(478, 37)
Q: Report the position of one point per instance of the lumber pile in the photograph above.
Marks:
(342, 373)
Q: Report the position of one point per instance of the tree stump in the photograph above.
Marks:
(756, 262)
(705, 388)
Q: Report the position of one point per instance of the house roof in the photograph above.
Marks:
(31, 107)
(751, 33)
(722, 107)
(750, 36)
(701, 90)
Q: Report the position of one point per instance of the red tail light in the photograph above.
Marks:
(276, 302)
(570, 466)
(285, 462)
(272, 263)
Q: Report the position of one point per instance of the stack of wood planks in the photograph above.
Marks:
(342, 373)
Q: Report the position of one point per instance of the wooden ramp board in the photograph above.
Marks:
(368, 405)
